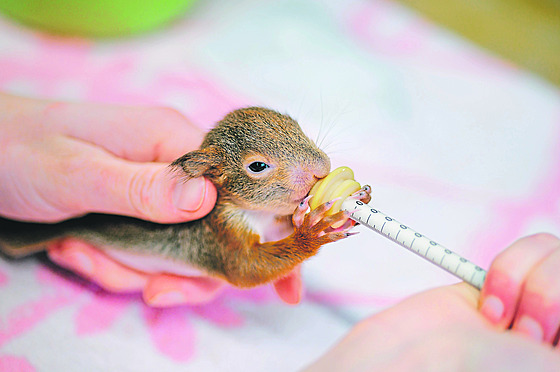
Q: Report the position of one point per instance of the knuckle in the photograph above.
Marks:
(543, 284)
(140, 193)
(545, 238)
(502, 261)
(169, 115)
(531, 246)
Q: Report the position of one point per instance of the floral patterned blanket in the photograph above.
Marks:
(456, 142)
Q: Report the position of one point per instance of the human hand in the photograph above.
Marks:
(62, 160)
(442, 329)
(522, 288)
(158, 289)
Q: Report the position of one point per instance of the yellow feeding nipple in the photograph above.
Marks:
(339, 183)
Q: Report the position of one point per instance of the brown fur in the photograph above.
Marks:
(223, 243)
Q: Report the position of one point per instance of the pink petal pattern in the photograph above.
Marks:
(123, 71)
(171, 332)
(101, 313)
(512, 218)
(10, 363)
(3, 278)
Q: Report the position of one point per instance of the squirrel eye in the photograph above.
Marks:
(258, 166)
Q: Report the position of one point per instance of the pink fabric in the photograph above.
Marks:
(456, 142)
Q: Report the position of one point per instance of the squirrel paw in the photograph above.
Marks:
(364, 194)
(313, 229)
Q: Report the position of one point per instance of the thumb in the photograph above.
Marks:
(143, 190)
(151, 192)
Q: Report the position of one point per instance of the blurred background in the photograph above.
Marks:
(526, 32)
(449, 109)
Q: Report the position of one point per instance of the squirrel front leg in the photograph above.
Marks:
(257, 263)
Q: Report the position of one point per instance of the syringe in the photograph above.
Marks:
(415, 242)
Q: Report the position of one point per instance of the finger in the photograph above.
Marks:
(538, 315)
(394, 333)
(440, 307)
(149, 192)
(135, 133)
(290, 287)
(92, 180)
(92, 264)
(502, 289)
(165, 290)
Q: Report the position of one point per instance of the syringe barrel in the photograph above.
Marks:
(415, 242)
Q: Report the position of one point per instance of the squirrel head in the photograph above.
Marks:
(258, 159)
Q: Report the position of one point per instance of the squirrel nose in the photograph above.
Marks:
(308, 171)
(305, 176)
(321, 168)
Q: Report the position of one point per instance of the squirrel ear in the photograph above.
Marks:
(203, 162)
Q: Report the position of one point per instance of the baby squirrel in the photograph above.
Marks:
(263, 167)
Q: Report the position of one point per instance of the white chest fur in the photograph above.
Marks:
(267, 225)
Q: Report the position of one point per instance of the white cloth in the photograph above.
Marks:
(457, 143)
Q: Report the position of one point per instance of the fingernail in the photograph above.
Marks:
(492, 308)
(166, 299)
(530, 327)
(189, 196)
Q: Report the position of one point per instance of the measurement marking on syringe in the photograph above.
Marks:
(424, 246)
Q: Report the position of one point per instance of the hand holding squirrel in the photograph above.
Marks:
(62, 160)
(263, 166)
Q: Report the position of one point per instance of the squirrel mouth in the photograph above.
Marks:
(300, 196)
(301, 191)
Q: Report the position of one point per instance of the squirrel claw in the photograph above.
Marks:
(364, 194)
(301, 210)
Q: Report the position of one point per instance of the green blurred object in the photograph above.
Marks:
(95, 18)
(527, 32)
